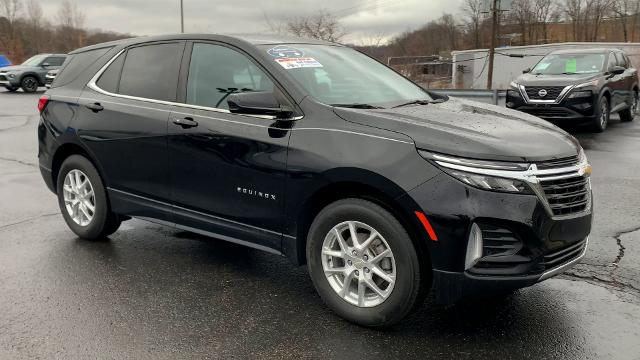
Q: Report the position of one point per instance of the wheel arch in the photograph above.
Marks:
(33, 74)
(63, 152)
(344, 189)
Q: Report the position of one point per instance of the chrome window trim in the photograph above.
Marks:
(93, 86)
(533, 176)
(558, 100)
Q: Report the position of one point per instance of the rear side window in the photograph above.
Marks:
(620, 60)
(111, 76)
(151, 71)
(76, 64)
(217, 71)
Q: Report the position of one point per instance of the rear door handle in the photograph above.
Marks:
(95, 107)
(185, 123)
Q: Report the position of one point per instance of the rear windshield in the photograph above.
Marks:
(569, 64)
(76, 64)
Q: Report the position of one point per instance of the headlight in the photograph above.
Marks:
(580, 94)
(11, 75)
(486, 182)
(587, 84)
(514, 85)
(477, 173)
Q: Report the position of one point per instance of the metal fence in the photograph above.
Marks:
(495, 97)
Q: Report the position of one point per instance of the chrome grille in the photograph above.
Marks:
(553, 92)
(557, 163)
(568, 195)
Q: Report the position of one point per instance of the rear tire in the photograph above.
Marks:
(364, 265)
(604, 112)
(629, 114)
(29, 84)
(83, 200)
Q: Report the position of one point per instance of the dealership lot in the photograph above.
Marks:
(153, 292)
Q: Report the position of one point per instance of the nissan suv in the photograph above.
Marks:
(578, 86)
(316, 152)
(30, 75)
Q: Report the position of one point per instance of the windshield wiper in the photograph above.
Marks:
(358, 106)
(420, 102)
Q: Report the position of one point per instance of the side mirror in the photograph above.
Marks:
(526, 71)
(617, 70)
(257, 103)
(44, 65)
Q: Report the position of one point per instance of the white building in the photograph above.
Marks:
(470, 67)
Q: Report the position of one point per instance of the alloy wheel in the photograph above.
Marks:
(79, 197)
(634, 107)
(358, 264)
(604, 113)
(30, 84)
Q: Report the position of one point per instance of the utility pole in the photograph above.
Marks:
(181, 17)
(495, 12)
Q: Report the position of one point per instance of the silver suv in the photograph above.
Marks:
(30, 74)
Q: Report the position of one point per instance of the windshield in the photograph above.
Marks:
(569, 64)
(34, 60)
(338, 75)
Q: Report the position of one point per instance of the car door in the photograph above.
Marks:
(124, 112)
(616, 83)
(227, 170)
(627, 79)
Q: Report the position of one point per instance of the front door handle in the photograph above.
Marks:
(185, 123)
(95, 107)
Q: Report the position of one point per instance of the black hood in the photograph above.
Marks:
(471, 129)
(555, 80)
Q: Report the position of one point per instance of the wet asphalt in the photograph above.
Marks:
(157, 293)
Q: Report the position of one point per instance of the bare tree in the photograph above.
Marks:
(543, 12)
(10, 9)
(473, 12)
(623, 9)
(9, 13)
(70, 16)
(323, 26)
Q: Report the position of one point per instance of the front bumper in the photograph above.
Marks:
(522, 242)
(8, 82)
(575, 110)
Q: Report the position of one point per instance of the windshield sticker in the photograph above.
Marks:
(571, 66)
(542, 66)
(282, 51)
(297, 63)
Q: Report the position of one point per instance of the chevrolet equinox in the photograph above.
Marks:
(316, 152)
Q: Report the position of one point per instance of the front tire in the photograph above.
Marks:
(29, 84)
(629, 114)
(363, 263)
(83, 201)
(604, 112)
(11, 88)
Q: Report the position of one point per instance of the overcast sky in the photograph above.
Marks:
(363, 19)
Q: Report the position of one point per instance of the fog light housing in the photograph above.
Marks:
(474, 247)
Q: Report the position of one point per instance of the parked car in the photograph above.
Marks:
(30, 74)
(578, 86)
(4, 61)
(48, 79)
(321, 154)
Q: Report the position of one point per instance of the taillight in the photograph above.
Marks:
(42, 102)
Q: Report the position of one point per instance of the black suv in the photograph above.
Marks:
(578, 86)
(30, 74)
(316, 152)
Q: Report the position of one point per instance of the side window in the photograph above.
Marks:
(628, 61)
(620, 60)
(217, 71)
(612, 61)
(151, 71)
(109, 79)
(76, 64)
(55, 60)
